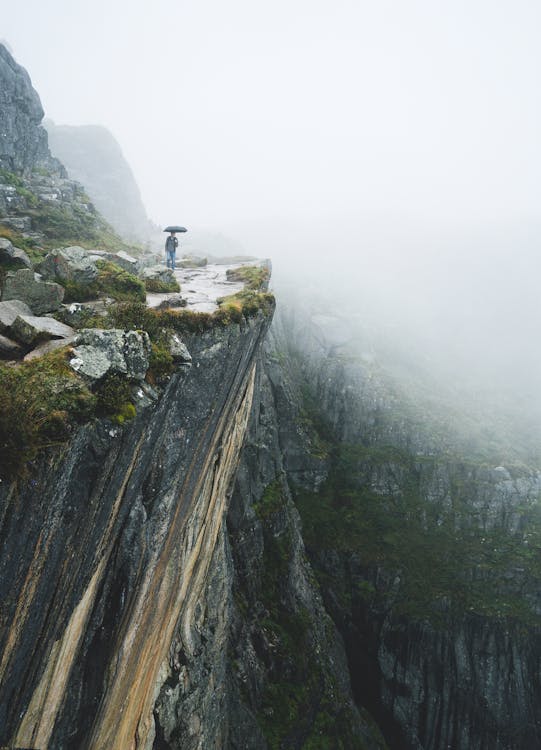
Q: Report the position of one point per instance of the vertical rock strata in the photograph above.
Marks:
(105, 552)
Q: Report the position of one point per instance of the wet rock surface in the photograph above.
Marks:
(201, 287)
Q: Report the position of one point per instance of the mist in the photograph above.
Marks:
(385, 156)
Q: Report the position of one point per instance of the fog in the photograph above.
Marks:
(387, 153)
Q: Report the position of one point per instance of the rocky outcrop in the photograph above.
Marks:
(99, 352)
(23, 142)
(25, 285)
(68, 264)
(106, 552)
(93, 157)
(13, 257)
(29, 328)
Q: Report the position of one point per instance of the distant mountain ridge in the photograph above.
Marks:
(93, 157)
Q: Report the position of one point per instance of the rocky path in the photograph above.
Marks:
(201, 287)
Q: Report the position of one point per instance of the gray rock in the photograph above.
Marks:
(99, 352)
(125, 261)
(23, 142)
(10, 310)
(179, 350)
(158, 273)
(30, 328)
(9, 348)
(192, 261)
(173, 300)
(13, 255)
(19, 223)
(40, 296)
(69, 264)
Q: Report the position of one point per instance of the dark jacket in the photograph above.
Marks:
(171, 244)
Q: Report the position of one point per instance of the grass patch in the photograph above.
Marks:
(112, 281)
(271, 501)
(40, 401)
(114, 399)
(301, 705)
(157, 286)
(23, 243)
(441, 555)
(255, 278)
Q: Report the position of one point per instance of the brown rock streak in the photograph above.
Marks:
(170, 590)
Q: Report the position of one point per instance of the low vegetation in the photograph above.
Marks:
(441, 554)
(300, 705)
(161, 287)
(255, 278)
(112, 281)
(40, 401)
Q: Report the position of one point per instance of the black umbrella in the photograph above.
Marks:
(175, 229)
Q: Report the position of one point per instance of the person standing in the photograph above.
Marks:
(171, 244)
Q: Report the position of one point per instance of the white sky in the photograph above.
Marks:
(394, 142)
(247, 111)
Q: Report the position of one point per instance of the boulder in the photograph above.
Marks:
(173, 300)
(30, 328)
(158, 273)
(192, 261)
(179, 350)
(13, 256)
(101, 352)
(25, 285)
(19, 223)
(69, 264)
(9, 349)
(10, 310)
(125, 261)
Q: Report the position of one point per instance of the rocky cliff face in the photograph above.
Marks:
(427, 559)
(105, 553)
(93, 157)
(39, 205)
(23, 142)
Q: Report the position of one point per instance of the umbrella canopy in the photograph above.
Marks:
(175, 229)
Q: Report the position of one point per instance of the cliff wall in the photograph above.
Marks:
(105, 551)
(427, 557)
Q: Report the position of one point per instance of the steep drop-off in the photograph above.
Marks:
(105, 551)
(427, 558)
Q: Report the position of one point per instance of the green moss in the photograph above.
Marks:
(161, 363)
(440, 554)
(301, 705)
(40, 401)
(115, 282)
(245, 304)
(112, 281)
(113, 395)
(155, 285)
(272, 500)
(255, 278)
(126, 412)
(23, 243)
